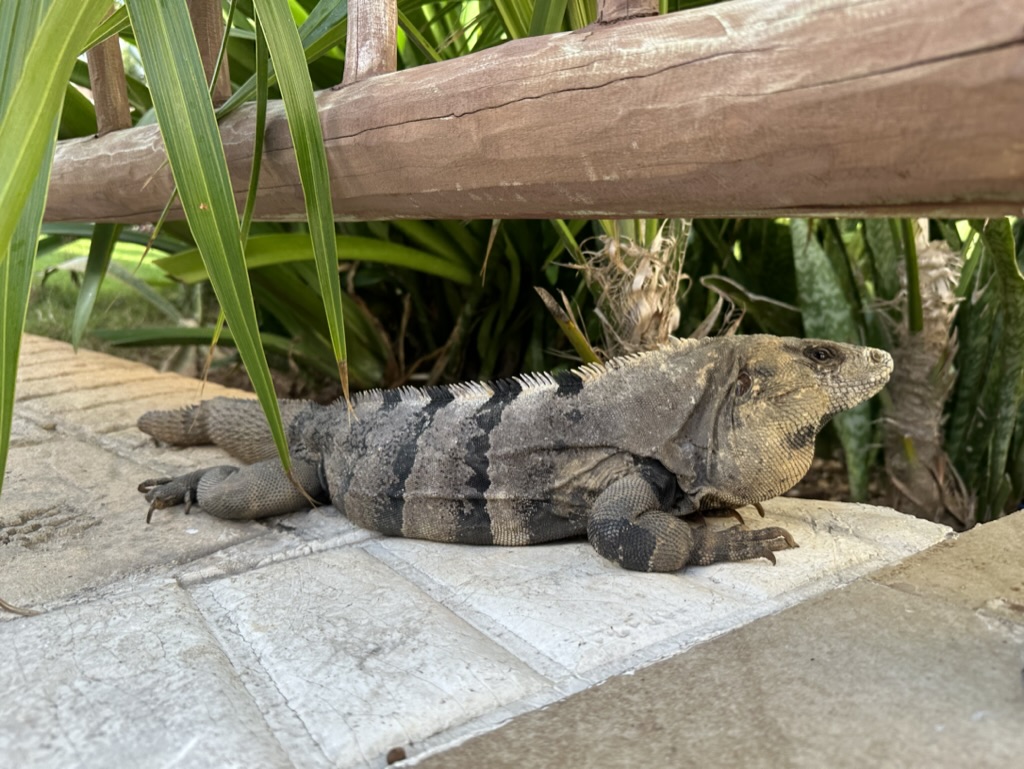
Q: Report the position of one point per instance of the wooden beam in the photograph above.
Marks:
(748, 108)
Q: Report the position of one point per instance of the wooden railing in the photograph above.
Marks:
(748, 108)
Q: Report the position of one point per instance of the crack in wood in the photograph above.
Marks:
(995, 47)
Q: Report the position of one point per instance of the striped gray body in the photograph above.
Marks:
(466, 464)
(617, 451)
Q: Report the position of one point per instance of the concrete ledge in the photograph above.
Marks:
(918, 665)
(341, 643)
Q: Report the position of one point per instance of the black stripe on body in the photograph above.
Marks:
(569, 384)
(388, 516)
(390, 398)
(473, 524)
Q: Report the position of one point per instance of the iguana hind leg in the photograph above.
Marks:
(253, 491)
(628, 526)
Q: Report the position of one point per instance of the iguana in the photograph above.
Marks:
(618, 451)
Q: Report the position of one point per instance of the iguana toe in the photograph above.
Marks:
(168, 492)
(739, 544)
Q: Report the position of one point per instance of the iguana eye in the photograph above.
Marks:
(819, 354)
(743, 383)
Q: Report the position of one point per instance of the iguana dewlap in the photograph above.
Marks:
(616, 451)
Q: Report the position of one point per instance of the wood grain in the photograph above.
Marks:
(609, 11)
(371, 43)
(748, 108)
(107, 83)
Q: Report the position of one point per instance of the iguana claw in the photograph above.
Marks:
(740, 544)
(168, 492)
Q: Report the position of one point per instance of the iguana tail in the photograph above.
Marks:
(236, 425)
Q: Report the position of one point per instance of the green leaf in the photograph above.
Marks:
(33, 94)
(196, 155)
(101, 247)
(1005, 382)
(114, 24)
(259, 131)
(827, 315)
(262, 250)
(307, 138)
(320, 32)
(431, 237)
(547, 17)
(18, 21)
(915, 314)
(418, 39)
(78, 116)
(516, 14)
(989, 398)
(884, 246)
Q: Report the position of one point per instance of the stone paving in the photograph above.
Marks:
(305, 641)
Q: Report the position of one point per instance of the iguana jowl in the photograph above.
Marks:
(616, 451)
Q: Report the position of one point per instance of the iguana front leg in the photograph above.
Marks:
(253, 491)
(627, 525)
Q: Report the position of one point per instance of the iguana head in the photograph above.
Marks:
(777, 394)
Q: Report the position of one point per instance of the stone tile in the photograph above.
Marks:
(347, 660)
(289, 536)
(134, 682)
(865, 676)
(838, 543)
(591, 619)
(71, 520)
(983, 570)
(85, 382)
(25, 431)
(562, 607)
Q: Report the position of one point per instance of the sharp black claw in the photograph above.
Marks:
(149, 513)
(147, 486)
(771, 557)
(759, 508)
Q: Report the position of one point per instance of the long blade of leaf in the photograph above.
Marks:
(19, 20)
(263, 250)
(417, 38)
(259, 132)
(101, 247)
(547, 17)
(196, 155)
(307, 138)
(114, 24)
(36, 98)
(322, 30)
(1005, 385)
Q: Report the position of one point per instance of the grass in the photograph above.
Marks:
(55, 292)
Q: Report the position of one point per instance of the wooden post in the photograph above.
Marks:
(372, 47)
(610, 11)
(109, 90)
(208, 24)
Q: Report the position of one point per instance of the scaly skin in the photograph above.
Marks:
(617, 452)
